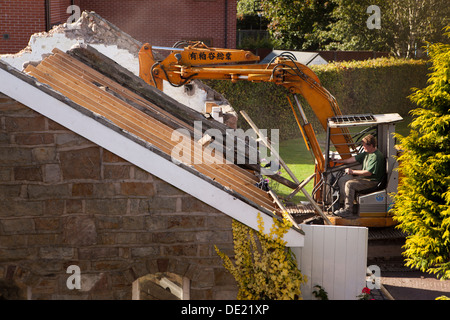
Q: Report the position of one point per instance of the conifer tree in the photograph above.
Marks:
(422, 205)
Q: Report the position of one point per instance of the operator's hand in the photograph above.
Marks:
(348, 171)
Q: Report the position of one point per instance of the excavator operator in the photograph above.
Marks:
(372, 173)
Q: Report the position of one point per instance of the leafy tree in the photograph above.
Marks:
(422, 204)
(298, 24)
(250, 16)
(412, 23)
(342, 24)
(264, 268)
(405, 25)
(246, 7)
(350, 31)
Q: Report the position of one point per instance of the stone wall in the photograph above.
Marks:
(65, 201)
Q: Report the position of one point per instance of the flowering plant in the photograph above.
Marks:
(365, 293)
(263, 267)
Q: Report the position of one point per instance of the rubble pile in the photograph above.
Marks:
(93, 29)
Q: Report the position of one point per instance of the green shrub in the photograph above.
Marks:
(377, 85)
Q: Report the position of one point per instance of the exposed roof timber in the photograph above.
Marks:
(185, 115)
(104, 65)
(110, 136)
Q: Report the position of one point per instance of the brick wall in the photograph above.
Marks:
(65, 201)
(158, 22)
(21, 19)
(18, 21)
(58, 11)
(165, 22)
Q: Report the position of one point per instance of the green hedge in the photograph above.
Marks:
(371, 86)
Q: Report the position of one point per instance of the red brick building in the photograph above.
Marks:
(158, 22)
(20, 19)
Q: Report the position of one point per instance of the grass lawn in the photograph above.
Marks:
(301, 162)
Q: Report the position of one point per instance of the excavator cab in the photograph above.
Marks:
(372, 205)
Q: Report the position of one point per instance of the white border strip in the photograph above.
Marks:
(140, 156)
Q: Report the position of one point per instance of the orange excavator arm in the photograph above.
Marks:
(197, 61)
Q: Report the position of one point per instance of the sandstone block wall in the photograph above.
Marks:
(65, 201)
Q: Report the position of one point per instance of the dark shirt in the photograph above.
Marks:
(374, 163)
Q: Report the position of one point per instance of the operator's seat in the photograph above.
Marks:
(380, 186)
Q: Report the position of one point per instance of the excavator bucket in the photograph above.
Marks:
(146, 62)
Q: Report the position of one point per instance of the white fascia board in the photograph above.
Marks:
(137, 154)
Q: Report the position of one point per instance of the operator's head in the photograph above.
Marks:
(369, 143)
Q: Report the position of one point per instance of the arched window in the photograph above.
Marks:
(161, 286)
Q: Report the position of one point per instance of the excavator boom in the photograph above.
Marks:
(197, 61)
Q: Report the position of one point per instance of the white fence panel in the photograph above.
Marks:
(334, 257)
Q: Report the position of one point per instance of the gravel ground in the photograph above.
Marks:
(414, 285)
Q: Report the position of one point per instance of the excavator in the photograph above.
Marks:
(189, 60)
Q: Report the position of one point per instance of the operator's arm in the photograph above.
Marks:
(362, 173)
(347, 161)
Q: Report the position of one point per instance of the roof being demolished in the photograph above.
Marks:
(153, 119)
(117, 110)
(89, 29)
